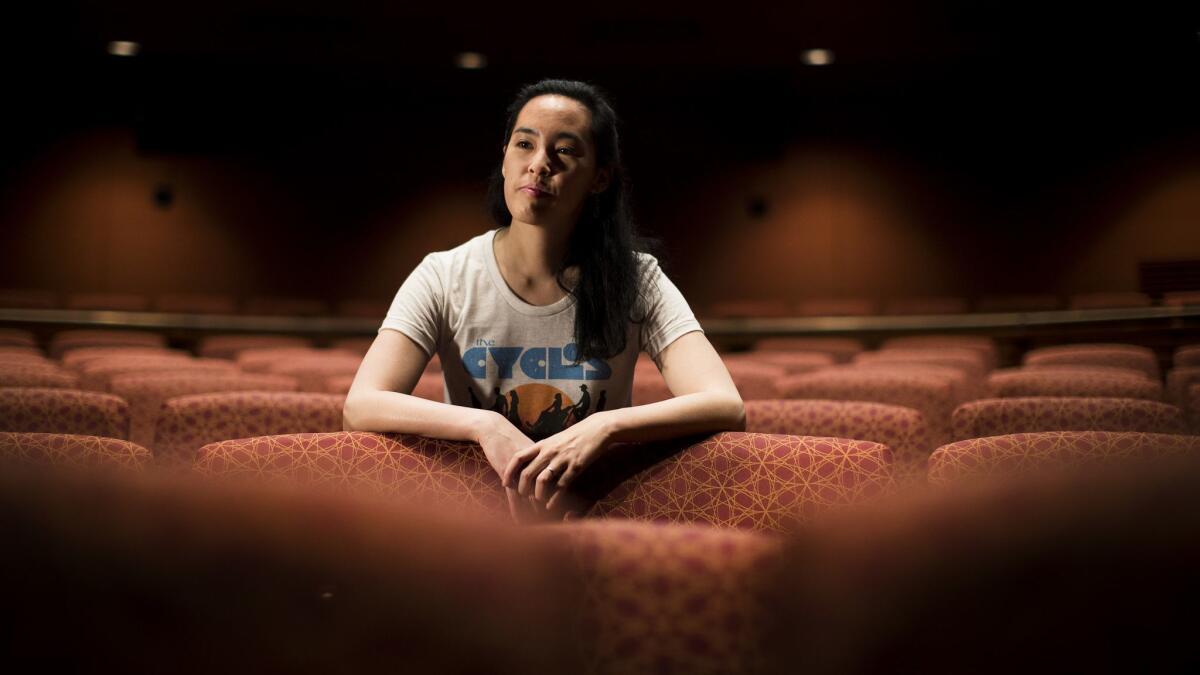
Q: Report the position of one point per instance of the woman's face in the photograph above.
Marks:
(549, 163)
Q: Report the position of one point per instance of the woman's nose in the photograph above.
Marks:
(541, 164)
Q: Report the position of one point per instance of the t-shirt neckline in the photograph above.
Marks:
(513, 300)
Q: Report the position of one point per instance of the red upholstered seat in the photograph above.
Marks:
(15, 337)
(1088, 368)
(970, 361)
(72, 451)
(229, 346)
(1033, 453)
(24, 355)
(671, 598)
(791, 362)
(1187, 355)
(1180, 298)
(840, 349)
(1193, 407)
(1179, 380)
(313, 372)
(745, 480)
(1001, 416)
(120, 302)
(454, 473)
(431, 385)
(188, 422)
(65, 341)
(926, 305)
(98, 375)
(146, 393)
(21, 374)
(63, 411)
(902, 429)
(1109, 300)
(934, 395)
(1117, 355)
(195, 303)
(985, 347)
(755, 381)
(1022, 382)
(76, 359)
(262, 360)
(358, 345)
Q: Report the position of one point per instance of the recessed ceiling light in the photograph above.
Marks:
(817, 57)
(123, 48)
(471, 60)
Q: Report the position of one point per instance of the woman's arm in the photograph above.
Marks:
(705, 399)
(392, 365)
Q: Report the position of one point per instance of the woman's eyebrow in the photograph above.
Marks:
(561, 134)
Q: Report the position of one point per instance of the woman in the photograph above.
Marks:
(539, 322)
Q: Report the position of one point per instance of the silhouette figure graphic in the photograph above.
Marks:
(499, 403)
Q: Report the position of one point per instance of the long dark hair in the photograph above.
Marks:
(605, 241)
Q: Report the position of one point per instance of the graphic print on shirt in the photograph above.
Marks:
(538, 409)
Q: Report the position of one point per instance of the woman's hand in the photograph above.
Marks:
(501, 440)
(544, 470)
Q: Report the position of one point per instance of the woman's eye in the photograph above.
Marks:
(524, 144)
(569, 150)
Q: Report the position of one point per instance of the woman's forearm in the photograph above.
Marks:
(688, 414)
(396, 412)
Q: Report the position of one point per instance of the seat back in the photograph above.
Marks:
(1001, 416)
(1024, 382)
(1117, 355)
(63, 411)
(71, 451)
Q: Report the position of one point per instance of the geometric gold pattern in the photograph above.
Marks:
(1000, 416)
(1023, 382)
(186, 423)
(752, 481)
(1031, 453)
(901, 429)
(147, 392)
(672, 598)
(454, 474)
(63, 411)
(72, 451)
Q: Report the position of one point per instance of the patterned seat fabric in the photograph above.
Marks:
(1033, 453)
(985, 347)
(935, 396)
(72, 451)
(229, 346)
(1188, 355)
(1088, 368)
(1001, 416)
(356, 345)
(98, 375)
(1022, 382)
(15, 337)
(24, 356)
(187, 423)
(452, 473)
(313, 373)
(27, 374)
(77, 359)
(262, 360)
(65, 341)
(965, 385)
(969, 361)
(755, 381)
(430, 385)
(63, 411)
(743, 480)
(791, 362)
(902, 429)
(841, 350)
(1118, 355)
(671, 598)
(1179, 380)
(146, 394)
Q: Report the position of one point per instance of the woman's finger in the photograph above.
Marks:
(530, 473)
(517, 461)
(545, 485)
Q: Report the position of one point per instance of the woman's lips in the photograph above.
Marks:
(535, 192)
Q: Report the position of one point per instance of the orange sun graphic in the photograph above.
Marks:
(534, 398)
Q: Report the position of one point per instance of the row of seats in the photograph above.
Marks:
(192, 303)
(767, 482)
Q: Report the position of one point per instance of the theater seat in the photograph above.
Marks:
(98, 375)
(313, 373)
(263, 359)
(229, 346)
(1179, 380)
(451, 473)
(18, 374)
(902, 429)
(790, 362)
(1117, 355)
(1021, 382)
(1001, 416)
(146, 393)
(840, 349)
(1187, 355)
(63, 411)
(1088, 368)
(985, 347)
(755, 381)
(72, 451)
(1035, 453)
(186, 423)
(430, 386)
(24, 356)
(768, 482)
(66, 340)
(934, 395)
(15, 337)
(1193, 407)
(76, 359)
(671, 598)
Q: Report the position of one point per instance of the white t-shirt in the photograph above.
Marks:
(499, 352)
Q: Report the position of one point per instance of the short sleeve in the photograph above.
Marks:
(668, 315)
(416, 310)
